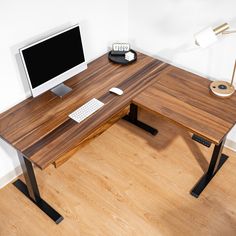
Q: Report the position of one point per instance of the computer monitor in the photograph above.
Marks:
(52, 60)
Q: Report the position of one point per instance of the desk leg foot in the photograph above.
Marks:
(132, 117)
(44, 206)
(217, 161)
(31, 191)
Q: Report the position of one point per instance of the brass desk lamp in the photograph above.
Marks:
(223, 88)
(205, 38)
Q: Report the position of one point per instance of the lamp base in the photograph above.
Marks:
(222, 89)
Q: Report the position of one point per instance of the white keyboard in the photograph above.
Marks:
(86, 110)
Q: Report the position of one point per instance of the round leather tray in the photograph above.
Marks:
(121, 59)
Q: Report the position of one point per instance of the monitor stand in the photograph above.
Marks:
(61, 89)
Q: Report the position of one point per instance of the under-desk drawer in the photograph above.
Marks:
(96, 133)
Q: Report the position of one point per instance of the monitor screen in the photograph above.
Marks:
(49, 58)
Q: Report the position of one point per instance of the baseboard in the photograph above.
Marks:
(6, 179)
(230, 144)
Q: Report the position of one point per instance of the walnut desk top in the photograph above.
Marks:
(184, 98)
(40, 129)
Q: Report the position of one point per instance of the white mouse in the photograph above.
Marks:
(117, 91)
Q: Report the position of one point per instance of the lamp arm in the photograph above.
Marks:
(229, 32)
(233, 74)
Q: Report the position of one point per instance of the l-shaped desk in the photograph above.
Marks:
(43, 134)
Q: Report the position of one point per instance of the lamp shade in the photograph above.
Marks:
(205, 37)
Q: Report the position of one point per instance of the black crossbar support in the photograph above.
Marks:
(132, 117)
(31, 191)
(201, 140)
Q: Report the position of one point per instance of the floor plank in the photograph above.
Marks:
(127, 182)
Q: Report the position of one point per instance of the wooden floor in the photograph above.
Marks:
(127, 182)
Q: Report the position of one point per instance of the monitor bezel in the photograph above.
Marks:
(59, 78)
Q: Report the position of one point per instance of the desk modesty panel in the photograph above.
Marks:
(40, 128)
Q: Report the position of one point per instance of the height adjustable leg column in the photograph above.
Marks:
(31, 191)
(132, 117)
(217, 161)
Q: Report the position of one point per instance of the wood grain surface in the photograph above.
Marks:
(184, 98)
(40, 127)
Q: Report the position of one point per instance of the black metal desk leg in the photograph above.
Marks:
(217, 160)
(31, 191)
(132, 117)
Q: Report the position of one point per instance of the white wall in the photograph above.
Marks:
(27, 19)
(164, 29)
